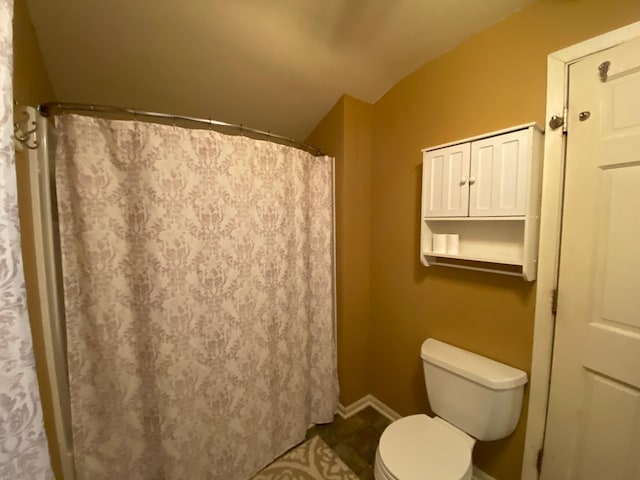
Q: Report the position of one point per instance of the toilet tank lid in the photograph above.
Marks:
(479, 369)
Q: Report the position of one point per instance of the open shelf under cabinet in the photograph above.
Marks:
(493, 244)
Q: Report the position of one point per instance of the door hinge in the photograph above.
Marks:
(539, 461)
(554, 301)
(565, 118)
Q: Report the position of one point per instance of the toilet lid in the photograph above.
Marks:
(420, 448)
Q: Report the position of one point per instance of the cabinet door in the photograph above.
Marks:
(498, 175)
(445, 176)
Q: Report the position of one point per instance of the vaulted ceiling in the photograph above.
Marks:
(276, 65)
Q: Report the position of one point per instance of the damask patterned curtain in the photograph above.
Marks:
(198, 293)
(23, 443)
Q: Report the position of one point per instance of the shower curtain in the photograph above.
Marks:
(199, 298)
(23, 445)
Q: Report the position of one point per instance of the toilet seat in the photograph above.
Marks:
(422, 448)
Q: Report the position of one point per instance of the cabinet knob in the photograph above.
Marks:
(463, 180)
(472, 180)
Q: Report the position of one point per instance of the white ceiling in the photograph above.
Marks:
(277, 65)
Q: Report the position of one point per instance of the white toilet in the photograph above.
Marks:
(468, 393)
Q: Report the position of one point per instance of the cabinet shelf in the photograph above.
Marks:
(519, 218)
(476, 258)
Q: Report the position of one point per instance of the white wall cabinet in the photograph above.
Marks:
(486, 189)
(483, 178)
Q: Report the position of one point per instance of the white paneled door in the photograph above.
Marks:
(593, 423)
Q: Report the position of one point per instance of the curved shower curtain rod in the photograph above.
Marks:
(51, 108)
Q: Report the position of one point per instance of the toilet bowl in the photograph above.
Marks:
(474, 398)
(419, 447)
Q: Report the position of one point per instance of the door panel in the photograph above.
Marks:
(613, 433)
(620, 125)
(620, 302)
(482, 174)
(593, 422)
(445, 173)
(499, 173)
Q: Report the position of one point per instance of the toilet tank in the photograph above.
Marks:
(478, 395)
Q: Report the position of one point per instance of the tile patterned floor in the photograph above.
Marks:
(354, 439)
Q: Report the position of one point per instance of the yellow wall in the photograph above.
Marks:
(31, 86)
(492, 81)
(346, 134)
(31, 83)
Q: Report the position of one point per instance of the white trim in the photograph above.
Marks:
(334, 255)
(552, 185)
(368, 401)
(49, 298)
(480, 475)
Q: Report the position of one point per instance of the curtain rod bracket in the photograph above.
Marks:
(25, 127)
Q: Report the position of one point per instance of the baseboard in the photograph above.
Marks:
(480, 475)
(368, 401)
(392, 415)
